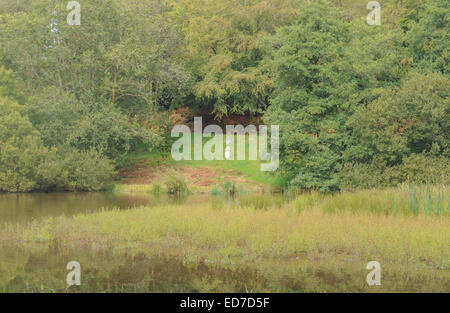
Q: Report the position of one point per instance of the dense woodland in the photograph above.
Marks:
(358, 106)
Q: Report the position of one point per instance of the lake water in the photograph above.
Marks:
(23, 208)
(41, 267)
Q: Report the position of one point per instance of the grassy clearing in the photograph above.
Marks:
(245, 244)
(250, 169)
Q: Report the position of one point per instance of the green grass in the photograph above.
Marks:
(248, 168)
(428, 200)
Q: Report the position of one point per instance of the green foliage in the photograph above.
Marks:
(105, 88)
(402, 14)
(156, 189)
(429, 38)
(123, 52)
(229, 188)
(176, 185)
(9, 87)
(402, 136)
(56, 116)
(94, 86)
(419, 169)
(21, 149)
(324, 69)
(409, 120)
(109, 131)
(221, 39)
(61, 120)
(26, 164)
(72, 170)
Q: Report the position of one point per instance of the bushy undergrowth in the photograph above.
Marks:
(156, 189)
(26, 164)
(416, 169)
(176, 185)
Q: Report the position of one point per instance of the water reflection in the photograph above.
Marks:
(26, 207)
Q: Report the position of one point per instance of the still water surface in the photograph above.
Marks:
(23, 208)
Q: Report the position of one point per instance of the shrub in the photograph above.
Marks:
(21, 149)
(108, 130)
(85, 170)
(156, 189)
(401, 137)
(175, 185)
(27, 165)
(418, 169)
(63, 119)
(411, 119)
(229, 188)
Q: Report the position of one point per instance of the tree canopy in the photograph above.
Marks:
(351, 99)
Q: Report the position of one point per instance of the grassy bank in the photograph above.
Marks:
(245, 244)
(154, 167)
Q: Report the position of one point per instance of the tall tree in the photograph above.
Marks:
(124, 52)
(324, 68)
(221, 39)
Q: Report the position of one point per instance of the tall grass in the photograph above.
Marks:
(261, 202)
(429, 200)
